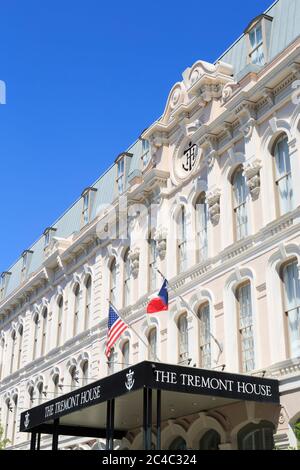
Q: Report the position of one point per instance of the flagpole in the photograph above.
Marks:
(131, 327)
(193, 313)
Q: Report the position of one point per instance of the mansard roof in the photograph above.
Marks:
(285, 28)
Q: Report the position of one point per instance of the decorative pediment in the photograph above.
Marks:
(202, 83)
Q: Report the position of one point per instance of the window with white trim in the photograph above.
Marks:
(113, 281)
(48, 235)
(44, 331)
(257, 52)
(183, 339)
(245, 325)
(121, 175)
(3, 284)
(13, 350)
(76, 309)
(145, 152)
(240, 193)
(85, 373)
(182, 240)
(292, 306)
(205, 336)
(60, 307)
(127, 278)
(20, 346)
(283, 179)
(88, 299)
(36, 327)
(152, 348)
(152, 244)
(125, 355)
(201, 227)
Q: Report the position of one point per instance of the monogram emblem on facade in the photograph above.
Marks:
(190, 156)
(26, 422)
(129, 380)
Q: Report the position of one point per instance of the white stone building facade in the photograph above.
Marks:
(214, 203)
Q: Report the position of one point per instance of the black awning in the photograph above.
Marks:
(156, 376)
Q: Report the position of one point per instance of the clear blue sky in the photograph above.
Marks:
(84, 78)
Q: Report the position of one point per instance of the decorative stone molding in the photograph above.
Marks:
(214, 209)
(134, 257)
(228, 91)
(161, 240)
(209, 145)
(252, 174)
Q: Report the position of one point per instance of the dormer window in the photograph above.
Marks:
(26, 255)
(87, 197)
(258, 39)
(121, 176)
(145, 152)
(257, 55)
(123, 164)
(3, 283)
(48, 234)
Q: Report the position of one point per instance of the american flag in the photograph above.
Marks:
(116, 328)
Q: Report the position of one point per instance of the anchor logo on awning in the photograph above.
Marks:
(130, 381)
(26, 422)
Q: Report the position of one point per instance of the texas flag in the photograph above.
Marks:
(160, 302)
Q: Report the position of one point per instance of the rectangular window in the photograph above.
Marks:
(292, 306)
(246, 328)
(183, 340)
(3, 284)
(202, 221)
(240, 205)
(145, 152)
(86, 209)
(205, 338)
(257, 55)
(121, 176)
(152, 264)
(284, 176)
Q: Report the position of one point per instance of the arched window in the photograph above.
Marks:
(182, 240)
(76, 309)
(40, 389)
(245, 322)
(20, 347)
(240, 192)
(152, 348)
(183, 339)
(13, 350)
(113, 281)
(60, 305)
(256, 437)
(85, 373)
(15, 415)
(44, 331)
(210, 441)
(88, 298)
(127, 279)
(56, 385)
(292, 306)
(283, 178)
(74, 378)
(201, 228)
(152, 263)
(2, 357)
(125, 355)
(205, 337)
(112, 361)
(31, 396)
(8, 411)
(178, 444)
(36, 321)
